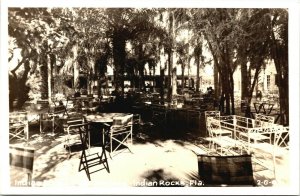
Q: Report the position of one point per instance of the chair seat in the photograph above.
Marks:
(17, 125)
(221, 132)
(255, 136)
(226, 141)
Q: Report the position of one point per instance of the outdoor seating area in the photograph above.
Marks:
(97, 140)
(112, 110)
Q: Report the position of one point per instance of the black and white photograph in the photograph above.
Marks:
(150, 97)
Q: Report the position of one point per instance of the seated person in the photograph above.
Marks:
(77, 93)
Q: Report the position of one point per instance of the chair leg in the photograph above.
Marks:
(83, 161)
(105, 158)
(29, 179)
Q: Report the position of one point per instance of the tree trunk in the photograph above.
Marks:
(75, 67)
(162, 86)
(198, 73)
(216, 82)
(244, 80)
(182, 78)
(173, 77)
(119, 54)
(172, 57)
(169, 84)
(231, 82)
(23, 90)
(284, 103)
(279, 53)
(44, 76)
(49, 78)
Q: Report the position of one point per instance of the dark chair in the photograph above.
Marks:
(21, 161)
(54, 116)
(193, 118)
(225, 170)
(88, 159)
(159, 115)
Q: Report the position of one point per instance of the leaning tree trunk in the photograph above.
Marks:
(22, 88)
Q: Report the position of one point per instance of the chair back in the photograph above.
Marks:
(22, 159)
(123, 120)
(83, 129)
(58, 110)
(263, 120)
(18, 117)
(225, 170)
(212, 114)
(211, 125)
(282, 138)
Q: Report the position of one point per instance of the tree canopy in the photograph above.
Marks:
(55, 44)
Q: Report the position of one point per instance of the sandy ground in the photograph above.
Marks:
(151, 162)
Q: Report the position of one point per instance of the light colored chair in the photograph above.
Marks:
(260, 121)
(221, 144)
(216, 131)
(120, 132)
(71, 132)
(18, 126)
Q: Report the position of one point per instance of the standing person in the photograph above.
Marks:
(258, 95)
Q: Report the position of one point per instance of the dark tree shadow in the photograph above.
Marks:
(159, 178)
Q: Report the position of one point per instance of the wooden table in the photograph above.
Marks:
(104, 117)
(103, 121)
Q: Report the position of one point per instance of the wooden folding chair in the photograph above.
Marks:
(21, 161)
(87, 159)
(225, 170)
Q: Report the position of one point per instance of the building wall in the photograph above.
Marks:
(266, 80)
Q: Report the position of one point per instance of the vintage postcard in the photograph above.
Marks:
(150, 97)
